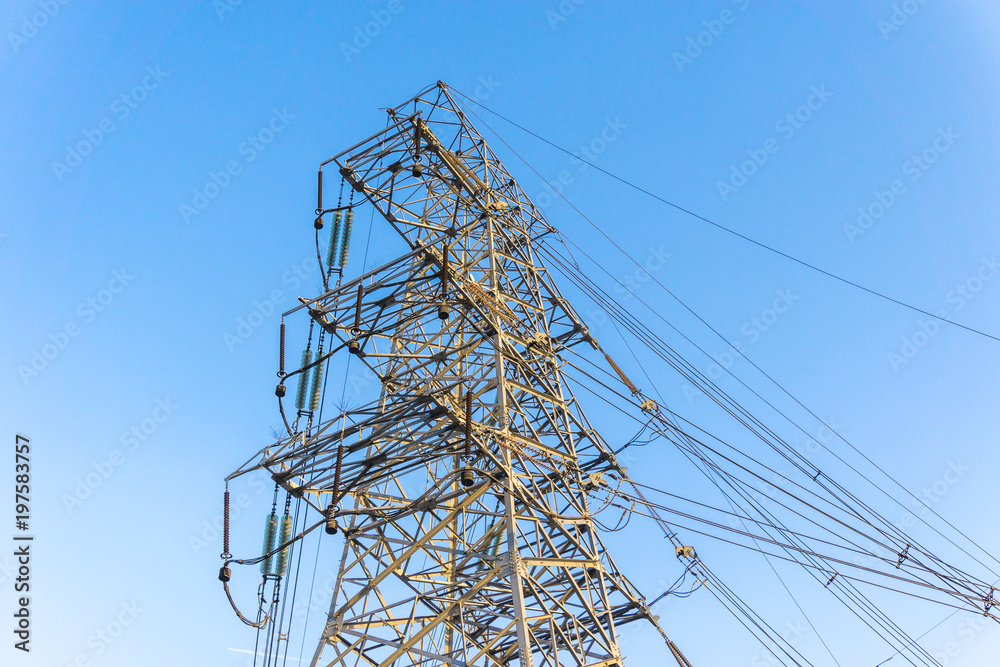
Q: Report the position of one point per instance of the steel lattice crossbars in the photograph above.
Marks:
(468, 534)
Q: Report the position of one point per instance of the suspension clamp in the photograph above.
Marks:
(904, 554)
(686, 552)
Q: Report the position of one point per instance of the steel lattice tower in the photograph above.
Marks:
(462, 491)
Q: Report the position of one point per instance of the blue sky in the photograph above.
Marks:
(121, 304)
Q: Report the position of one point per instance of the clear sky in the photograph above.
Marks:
(157, 190)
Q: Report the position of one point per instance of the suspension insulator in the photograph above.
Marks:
(225, 524)
(444, 311)
(336, 475)
(300, 395)
(270, 528)
(331, 250)
(281, 562)
(357, 308)
(495, 544)
(444, 270)
(353, 346)
(345, 241)
(621, 374)
(317, 386)
(281, 351)
(331, 520)
(468, 423)
(678, 656)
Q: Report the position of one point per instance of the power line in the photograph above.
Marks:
(719, 335)
(661, 349)
(728, 230)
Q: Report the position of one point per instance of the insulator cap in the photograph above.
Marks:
(468, 478)
(331, 526)
(225, 574)
(418, 171)
(318, 223)
(444, 311)
(353, 346)
(279, 391)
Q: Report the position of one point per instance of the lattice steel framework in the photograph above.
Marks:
(463, 489)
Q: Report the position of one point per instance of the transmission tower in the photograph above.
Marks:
(462, 491)
(466, 492)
